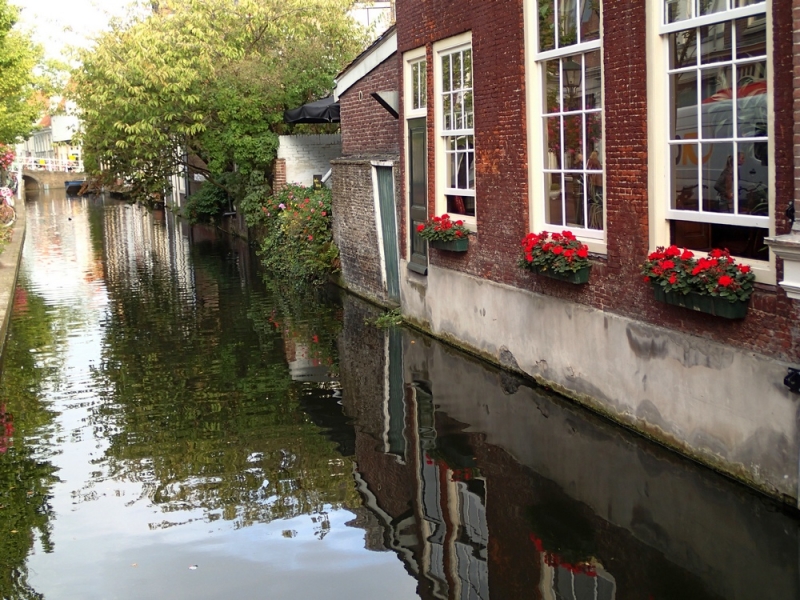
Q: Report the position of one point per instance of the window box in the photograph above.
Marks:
(712, 305)
(461, 245)
(577, 277)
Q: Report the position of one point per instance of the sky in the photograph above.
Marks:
(57, 24)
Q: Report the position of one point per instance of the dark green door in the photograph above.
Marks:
(418, 192)
(389, 231)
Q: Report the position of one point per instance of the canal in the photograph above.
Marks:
(173, 424)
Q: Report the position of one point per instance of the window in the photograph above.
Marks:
(455, 154)
(416, 142)
(718, 136)
(569, 57)
(419, 90)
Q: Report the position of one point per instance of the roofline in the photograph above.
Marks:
(379, 51)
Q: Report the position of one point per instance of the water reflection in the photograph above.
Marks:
(505, 491)
(165, 407)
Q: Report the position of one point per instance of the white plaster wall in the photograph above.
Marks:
(308, 155)
(723, 406)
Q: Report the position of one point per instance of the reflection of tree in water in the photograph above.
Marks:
(26, 477)
(201, 408)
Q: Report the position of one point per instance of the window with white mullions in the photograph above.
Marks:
(684, 10)
(573, 132)
(457, 128)
(719, 142)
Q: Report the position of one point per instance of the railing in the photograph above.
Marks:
(48, 164)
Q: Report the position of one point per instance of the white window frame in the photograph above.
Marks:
(411, 58)
(659, 192)
(535, 79)
(441, 48)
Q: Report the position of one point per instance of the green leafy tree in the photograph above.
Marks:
(20, 104)
(208, 78)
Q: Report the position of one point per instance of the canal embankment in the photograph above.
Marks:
(9, 268)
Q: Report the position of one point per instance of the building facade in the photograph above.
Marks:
(633, 125)
(365, 191)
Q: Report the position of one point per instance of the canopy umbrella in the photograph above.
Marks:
(321, 111)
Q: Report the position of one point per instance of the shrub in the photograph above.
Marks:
(298, 240)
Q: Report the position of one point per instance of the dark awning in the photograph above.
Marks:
(321, 111)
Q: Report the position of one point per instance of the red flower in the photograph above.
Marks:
(673, 279)
(725, 281)
(557, 250)
(672, 251)
(667, 264)
(744, 269)
(687, 254)
(420, 227)
(583, 252)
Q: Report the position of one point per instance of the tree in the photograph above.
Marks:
(20, 105)
(209, 78)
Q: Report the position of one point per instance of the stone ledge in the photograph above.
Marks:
(787, 247)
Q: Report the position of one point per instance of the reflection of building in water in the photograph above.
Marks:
(135, 246)
(527, 501)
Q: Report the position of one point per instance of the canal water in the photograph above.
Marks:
(175, 425)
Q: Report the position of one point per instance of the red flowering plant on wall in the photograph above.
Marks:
(555, 252)
(677, 271)
(442, 229)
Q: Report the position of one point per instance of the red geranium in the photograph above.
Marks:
(556, 252)
(442, 229)
(717, 274)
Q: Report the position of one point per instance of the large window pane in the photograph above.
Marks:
(678, 10)
(717, 103)
(552, 99)
(419, 85)
(708, 7)
(683, 95)
(683, 49)
(751, 38)
(590, 20)
(457, 73)
(553, 142)
(751, 100)
(594, 80)
(547, 40)
(684, 177)
(753, 188)
(573, 141)
(716, 43)
(554, 209)
(567, 22)
(572, 82)
(720, 177)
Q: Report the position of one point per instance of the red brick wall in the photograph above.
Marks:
(367, 127)
(773, 322)
(500, 122)
(796, 103)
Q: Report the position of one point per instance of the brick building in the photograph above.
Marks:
(365, 192)
(611, 119)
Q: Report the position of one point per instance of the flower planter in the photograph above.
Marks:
(712, 305)
(461, 245)
(577, 277)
